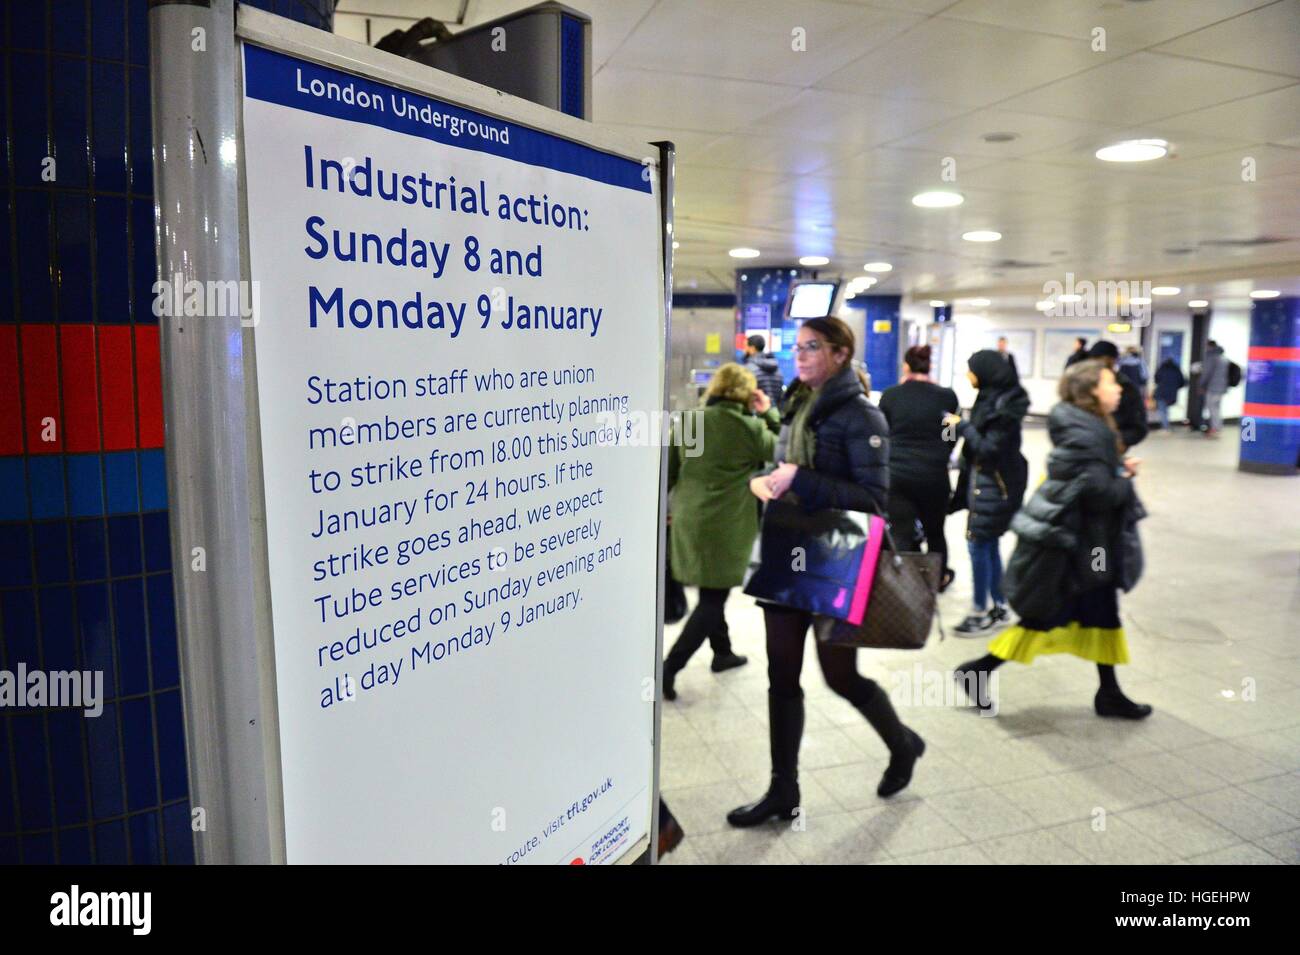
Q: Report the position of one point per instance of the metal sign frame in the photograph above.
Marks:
(213, 440)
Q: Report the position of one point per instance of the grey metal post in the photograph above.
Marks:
(230, 714)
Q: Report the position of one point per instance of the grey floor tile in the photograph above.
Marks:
(833, 839)
(703, 809)
(1174, 774)
(1243, 854)
(955, 855)
(1180, 828)
(1229, 760)
(1284, 846)
(1281, 792)
(760, 846)
(1037, 847)
(910, 827)
(1249, 817)
(1118, 843)
(981, 814)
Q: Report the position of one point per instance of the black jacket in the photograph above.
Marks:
(918, 450)
(767, 371)
(993, 471)
(851, 455)
(1085, 478)
(1131, 416)
(1169, 381)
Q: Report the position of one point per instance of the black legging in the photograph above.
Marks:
(786, 632)
(707, 621)
(910, 501)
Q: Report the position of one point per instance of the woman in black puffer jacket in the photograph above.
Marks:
(834, 449)
(992, 480)
(1085, 503)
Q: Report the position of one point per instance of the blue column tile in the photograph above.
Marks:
(157, 541)
(95, 630)
(105, 765)
(141, 139)
(132, 645)
(74, 846)
(9, 850)
(163, 646)
(38, 849)
(68, 23)
(122, 482)
(110, 843)
(58, 630)
(124, 556)
(45, 478)
(143, 261)
(8, 811)
(13, 488)
(72, 215)
(70, 126)
(67, 756)
(29, 102)
(89, 549)
(112, 277)
(137, 742)
(146, 847)
(153, 481)
(33, 782)
(178, 831)
(85, 485)
(15, 555)
(108, 29)
(36, 296)
(27, 25)
(172, 771)
(138, 31)
(53, 563)
(18, 611)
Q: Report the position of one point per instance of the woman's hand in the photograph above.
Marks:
(758, 487)
(1132, 466)
(779, 481)
(760, 402)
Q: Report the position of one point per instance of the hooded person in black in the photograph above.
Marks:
(1083, 519)
(992, 479)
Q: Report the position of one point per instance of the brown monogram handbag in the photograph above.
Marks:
(901, 607)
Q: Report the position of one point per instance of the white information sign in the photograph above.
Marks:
(459, 369)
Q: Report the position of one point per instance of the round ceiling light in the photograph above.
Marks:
(1046, 305)
(1070, 297)
(878, 267)
(1140, 300)
(744, 253)
(981, 235)
(1166, 290)
(814, 260)
(1265, 293)
(938, 199)
(1198, 303)
(1134, 150)
(975, 302)
(937, 303)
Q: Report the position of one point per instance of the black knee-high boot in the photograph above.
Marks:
(1111, 701)
(905, 746)
(972, 676)
(785, 730)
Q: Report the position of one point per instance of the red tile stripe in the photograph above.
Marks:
(1269, 353)
(117, 387)
(80, 394)
(11, 415)
(40, 359)
(149, 386)
(1257, 409)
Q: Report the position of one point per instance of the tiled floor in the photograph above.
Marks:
(1213, 776)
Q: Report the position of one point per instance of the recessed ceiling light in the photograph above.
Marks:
(677, 245)
(1197, 303)
(1134, 150)
(1140, 300)
(1119, 327)
(975, 302)
(938, 199)
(814, 260)
(878, 267)
(937, 303)
(1046, 305)
(1265, 293)
(1070, 297)
(1166, 290)
(744, 253)
(982, 235)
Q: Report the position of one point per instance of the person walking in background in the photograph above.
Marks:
(1011, 359)
(1169, 381)
(765, 369)
(918, 456)
(992, 479)
(1134, 366)
(1087, 476)
(834, 453)
(1212, 384)
(1131, 415)
(714, 522)
(1080, 352)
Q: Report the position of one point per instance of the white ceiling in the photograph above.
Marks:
(820, 151)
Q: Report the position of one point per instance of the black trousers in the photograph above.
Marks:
(910, 501)
(708, 621)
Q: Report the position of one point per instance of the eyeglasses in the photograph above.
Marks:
(812, 346)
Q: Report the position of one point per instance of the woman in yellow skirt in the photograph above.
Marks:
(1084, 468)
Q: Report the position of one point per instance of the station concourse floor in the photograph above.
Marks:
(1210, 777)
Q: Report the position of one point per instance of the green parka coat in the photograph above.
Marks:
(714, 514)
